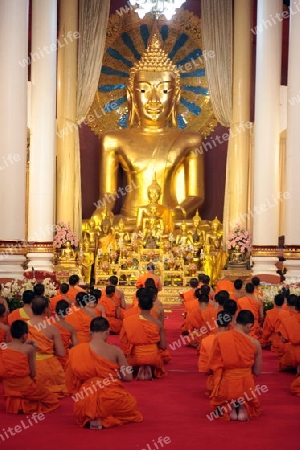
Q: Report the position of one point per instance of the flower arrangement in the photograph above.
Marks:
(239, 237)
(63, 233)
(12, 291)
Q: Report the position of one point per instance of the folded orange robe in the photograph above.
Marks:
(49, 372)
(210, 319)
(110, 305)
(205, 351)
(97, 391)
(252, 305)
(17, 314)
(224, 285)
(269, 333)
(81, 322)
(232, 359)
(188, 297)
(290, 330)
(21, 392)
(139, 338)
(66, 339)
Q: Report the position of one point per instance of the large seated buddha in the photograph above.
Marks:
(153, 146)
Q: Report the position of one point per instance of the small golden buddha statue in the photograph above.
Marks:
(121, 234)
(67, 254)
(154, 211)
(107, 242)
(214, 237)
(183, 238)
(153, 143)
(93, 233)
(87, 260)
(198, 234)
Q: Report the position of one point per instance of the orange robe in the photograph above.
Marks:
(54, 300)
(142, 280)
(232, 359)
(290, 330)
(97, 391)
(49, 372)
(295, 386)
(2, 335)
(252, 305)
(17, 314)
(66, 339)
(81, 322)
(110, 305)
(204, 352)
(269, 333)
(188, 297)
(139, 338)
(21, 392)
(224, 285)
(72, 292)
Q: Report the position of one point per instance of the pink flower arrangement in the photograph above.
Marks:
(239, 237)
(63, 233)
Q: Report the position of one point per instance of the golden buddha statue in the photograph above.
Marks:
(215, 257)
(87, 260)
(106, 242)
(67, 256)
(214, 237)
(197, 233)
(155, 212)
(93, 234)
(153, 144)
(183, 237)
(121, 233)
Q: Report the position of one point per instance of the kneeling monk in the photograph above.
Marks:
(142, 336)
(92, 376)
(235, 356)
(22, 393)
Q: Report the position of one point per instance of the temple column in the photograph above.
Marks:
(266, 186)
(66, 109)
(239, 143)
(42, 135)
(13, 134)
(292, 207)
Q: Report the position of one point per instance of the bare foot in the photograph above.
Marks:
(95, 425)
(144, 373)
(242, 414)
(233, 414)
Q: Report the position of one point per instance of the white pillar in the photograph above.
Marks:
(292, 206)
(266, 198)
(13, 131)
(43, 137)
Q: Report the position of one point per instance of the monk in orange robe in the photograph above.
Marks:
(236, 356)
(204, 280)
(230, 306)
(250, 303)
(237, 292)
(93, 378)
(67, 332)
(272, 322)
(80, 316)
(194, 326)
(141, 338)
(206, 346)
(62, 295)
(290, 332)
(49, 371)
(24, 313)
(22, 393)
(210, 314)
(74, 288)
(4, 329)
(189, 296)
(113, 281)
(110, 303)
(150, 274)
(225, 285)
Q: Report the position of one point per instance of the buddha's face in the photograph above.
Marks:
(183, 228)
(215, 226)
(105, 227)
(153, 195)
(196, 223)
(154, 95)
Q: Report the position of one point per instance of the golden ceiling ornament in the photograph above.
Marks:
(127, 40)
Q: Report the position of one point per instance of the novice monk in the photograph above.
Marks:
(290, 332)
(194, 321)
(210, 314)
(80, 316)
(22, 393)
(250, 303)
(4, 329)
(225, 285)
(110, 303)
(74, 288)
(236, 356)
(230, 306)
(67, 331)
(63, 295)
(237, 293)
(49, 345)
(189, 296)
(271, 325)
(113, 281)
(150, 274)
(93, 377)
(141, 337)
(206, 346)
(24, 313)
